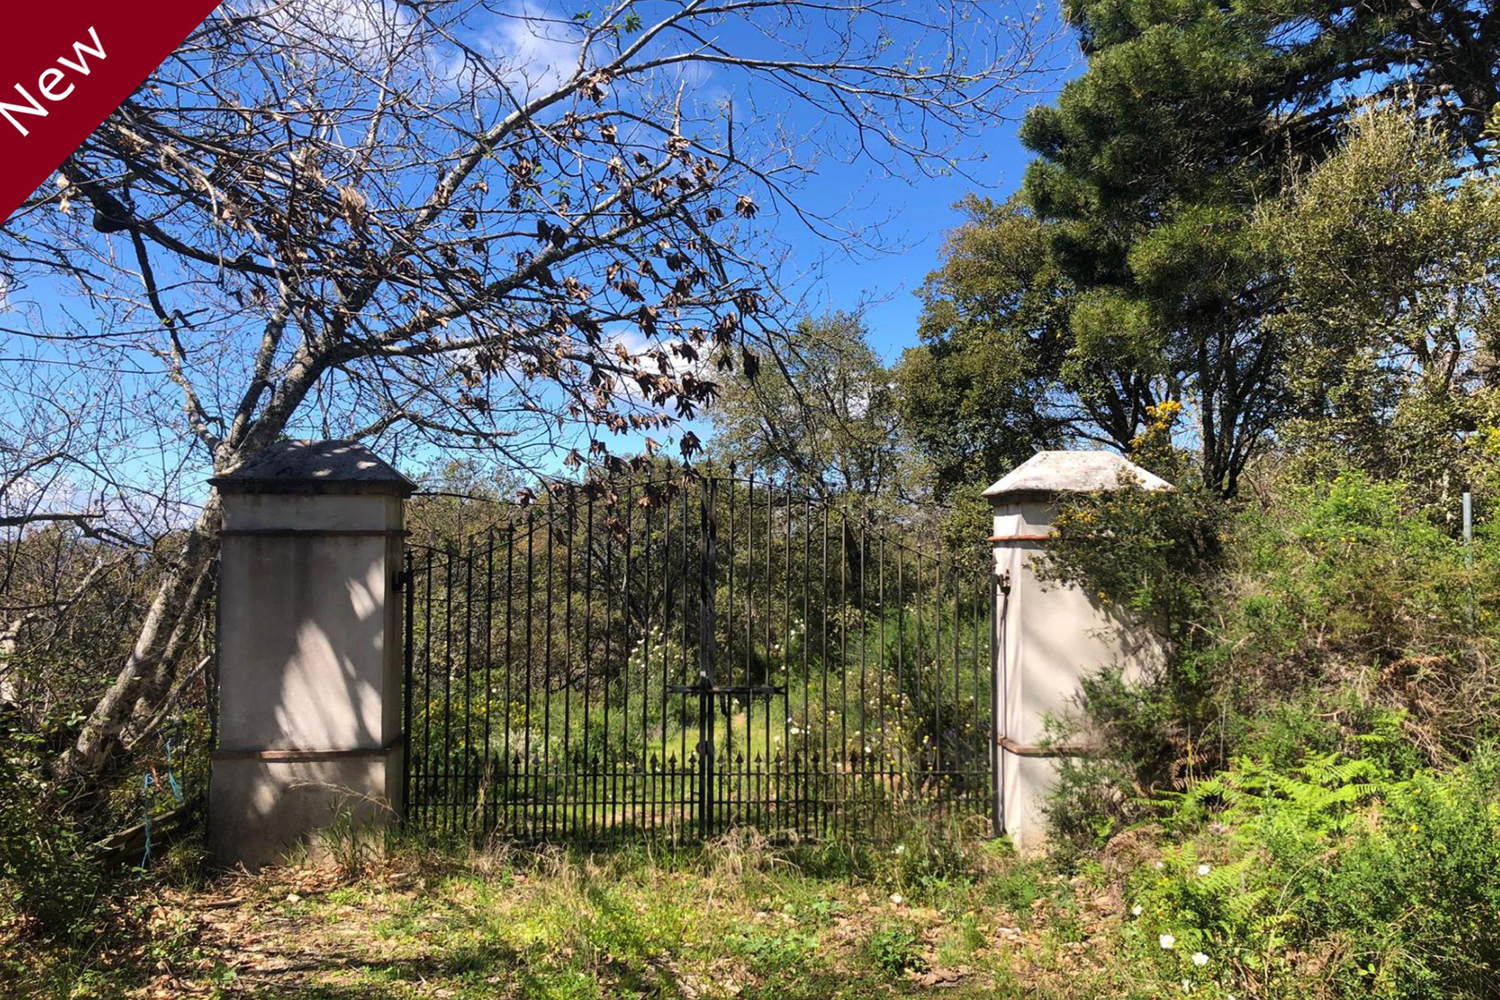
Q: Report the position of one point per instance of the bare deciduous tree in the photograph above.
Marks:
(483, 225)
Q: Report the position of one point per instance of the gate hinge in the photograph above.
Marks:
(1002, 581)
(403, 579)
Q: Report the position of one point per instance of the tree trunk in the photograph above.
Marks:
(149, 662)
(148, 671)
(9, 691)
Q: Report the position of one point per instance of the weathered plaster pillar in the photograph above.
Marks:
(1049, 636)
(310, 673)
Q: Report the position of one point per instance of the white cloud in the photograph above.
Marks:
(534, 60)
(29, 494)
(530, 54)
(642, 347)
(363, 21)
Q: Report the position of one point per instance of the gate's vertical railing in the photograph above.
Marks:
(409, 598)
(488, 769)
(707, 626)
(587, 758)
(508, 758)
(651, 711)
(999, 589)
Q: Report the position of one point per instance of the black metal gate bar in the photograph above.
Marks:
(679, 658)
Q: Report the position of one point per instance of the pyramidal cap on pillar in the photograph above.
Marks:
(1049, 473)
(1024, 500)
(313, 467)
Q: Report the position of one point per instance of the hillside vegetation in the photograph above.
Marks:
(1257, 251)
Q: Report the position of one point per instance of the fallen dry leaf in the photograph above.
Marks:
(939, 978)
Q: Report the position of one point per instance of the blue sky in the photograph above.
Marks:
(912, 211)
(921, 214)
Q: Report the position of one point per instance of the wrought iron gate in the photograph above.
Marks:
(679, 658)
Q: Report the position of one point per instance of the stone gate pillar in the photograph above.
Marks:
(1048, 636)
(309, 649)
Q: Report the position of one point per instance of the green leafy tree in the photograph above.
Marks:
(1390, 250)
(821, 415)
(991, 329)
(1152, 167)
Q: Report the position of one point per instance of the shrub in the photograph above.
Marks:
(1335, 870)
(46, 872)
(1155, 553)
(1315, 618)
(1420, 889)
(1150, 747)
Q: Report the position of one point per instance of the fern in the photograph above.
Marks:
(1322, 796)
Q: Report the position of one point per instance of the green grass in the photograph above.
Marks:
(1308, 895)
(733, 919)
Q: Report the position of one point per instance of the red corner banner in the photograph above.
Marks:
(64, 68)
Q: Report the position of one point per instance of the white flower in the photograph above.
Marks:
(896, 898)
(1160, 866)
(1200, 959)
(900, 848)
(1166, 941)
(1135, 910)
(1204, 869)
